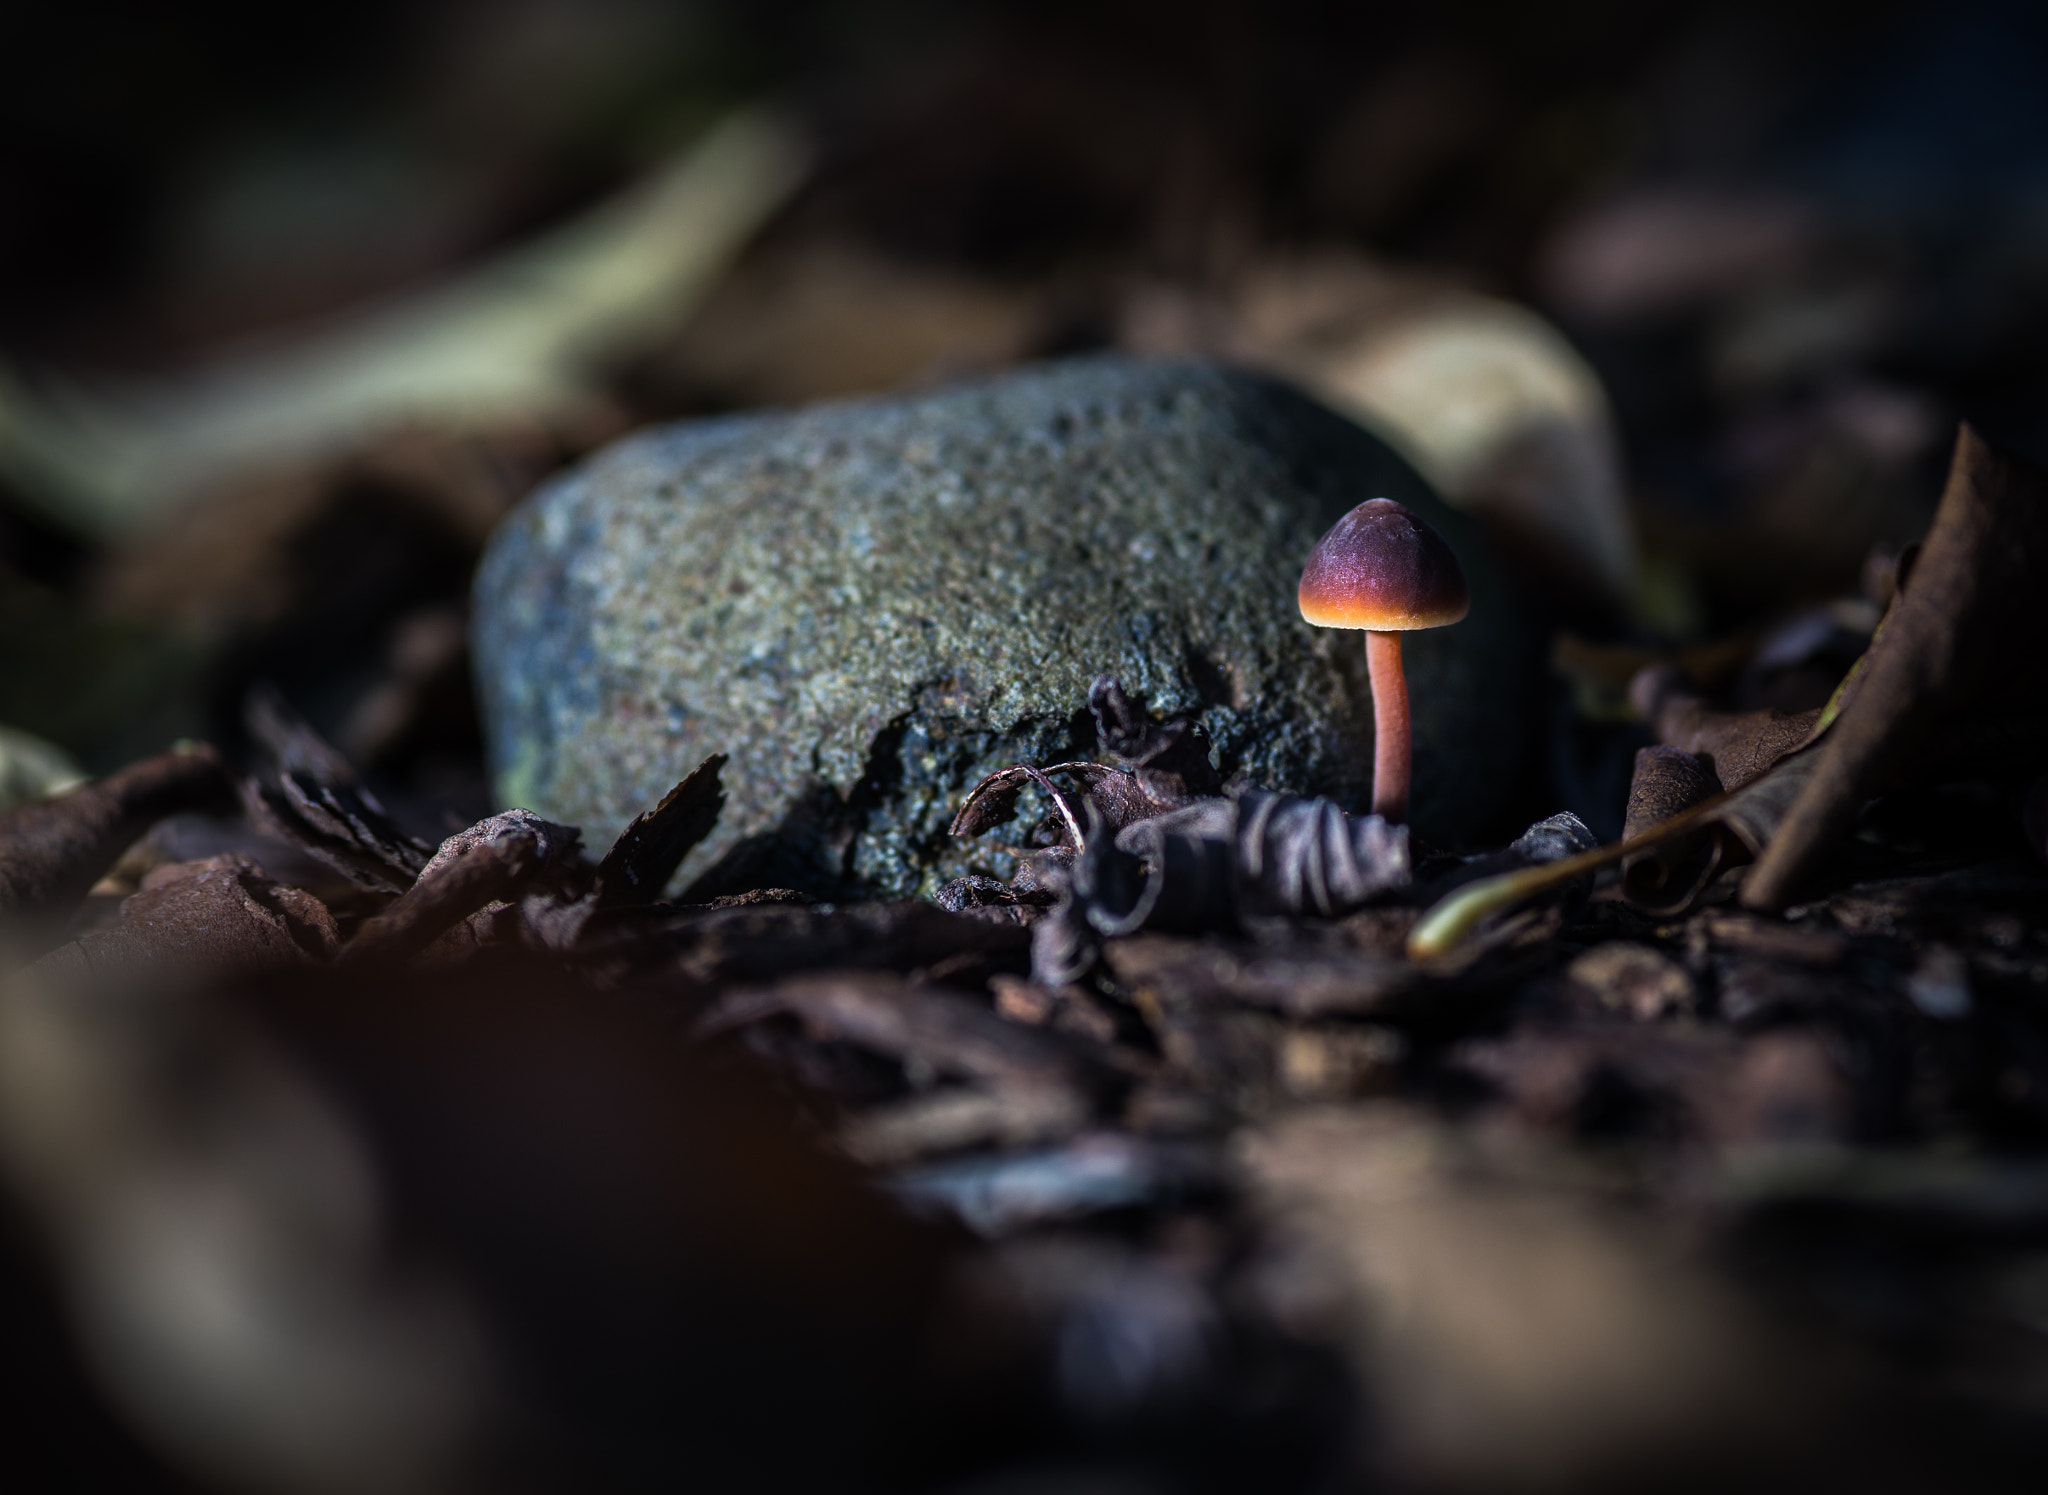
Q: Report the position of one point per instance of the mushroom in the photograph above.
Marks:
(1382, 569)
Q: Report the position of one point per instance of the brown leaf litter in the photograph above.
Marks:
(1173, 1112)
(1952, 685)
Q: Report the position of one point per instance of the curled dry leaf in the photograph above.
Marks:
(1275, 853)
(1214, 864)
(1169, 758)
(1151, 843)
(492, 862)
(1163, 766)
(993, 801)
(53, 852)
(1668, 782)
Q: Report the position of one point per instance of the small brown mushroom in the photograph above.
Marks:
(1382, 569)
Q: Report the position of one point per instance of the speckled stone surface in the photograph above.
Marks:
(870, 605)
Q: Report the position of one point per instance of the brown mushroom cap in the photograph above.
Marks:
(1382, 568)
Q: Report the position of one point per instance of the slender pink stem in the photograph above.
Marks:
(1391, 753)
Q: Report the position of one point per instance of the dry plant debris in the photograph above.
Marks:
(1951, 687)
(1175, 1105)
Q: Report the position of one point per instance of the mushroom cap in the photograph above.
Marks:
(1380, 567)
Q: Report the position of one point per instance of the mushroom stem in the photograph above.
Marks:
(1391, 754)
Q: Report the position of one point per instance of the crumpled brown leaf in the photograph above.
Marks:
(534, 874)
(217, 914)
(314, 800)
(1213, 864)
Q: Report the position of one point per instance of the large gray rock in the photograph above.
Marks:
(870, 605)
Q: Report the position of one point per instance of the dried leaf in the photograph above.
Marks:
(1954, 681)
(493, 861)
(317, 803)
(51, 853)
(649, 850)
(1152, 846)
(218, 914)
(1678, 859)
(1170, 758)
(994, 800)
(1735, 746)
(1298, 983)
(1280, 854)
(765, 941)
(1668, 782)
(951, 1033)
(1966, 637)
